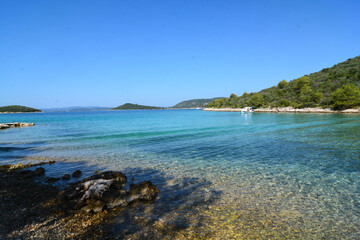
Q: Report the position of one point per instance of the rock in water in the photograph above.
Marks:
(76, 174)
(144, 191)
(105, 190)
(52, 180)
(39, 171)
(66, 177)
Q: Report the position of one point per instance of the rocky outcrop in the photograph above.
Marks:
(10, 167)
(15, 124)
(105, 191)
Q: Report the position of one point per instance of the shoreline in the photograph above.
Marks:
(33, 208)
(286, 110)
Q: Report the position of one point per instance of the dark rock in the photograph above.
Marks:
(27, 173)
(95, 206)
(105, 190)
(66, 177)
(4, 126)
(39, 171)
(144, 191)
(76, 174)
(118, 177)
(52, 180)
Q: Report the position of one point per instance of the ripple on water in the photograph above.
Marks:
(220, 175)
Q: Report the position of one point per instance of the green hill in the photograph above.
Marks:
(131, 106)
(337, 87)
(18, 109)
(195, 103)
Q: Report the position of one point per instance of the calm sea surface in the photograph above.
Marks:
(221, 175)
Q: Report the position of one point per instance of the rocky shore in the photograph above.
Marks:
(15, 124)
(286, 110)
(32, 207)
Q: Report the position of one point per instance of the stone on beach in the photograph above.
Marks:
(104, 191)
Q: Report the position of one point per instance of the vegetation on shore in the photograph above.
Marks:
(18, 109)
(195, 103)
(131, 106)
(337, 87)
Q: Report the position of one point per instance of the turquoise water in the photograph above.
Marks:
(259, 175)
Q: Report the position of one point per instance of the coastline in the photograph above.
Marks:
(286, 110)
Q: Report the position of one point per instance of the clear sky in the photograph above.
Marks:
(105, 53)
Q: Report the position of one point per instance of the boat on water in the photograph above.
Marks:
(247, 109)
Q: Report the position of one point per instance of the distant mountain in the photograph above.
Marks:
(337, 87)
(18, 109)
(195, 103)
(131, 106)
(75, 109)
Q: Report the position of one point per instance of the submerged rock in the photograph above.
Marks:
(52, 180)
(144, 191)
(104, 191)
(66, 177)
(76, 174)
(39, 171)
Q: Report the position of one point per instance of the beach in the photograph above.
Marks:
(286, 110)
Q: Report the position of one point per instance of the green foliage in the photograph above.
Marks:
(325, 88)
(130, 106)
(256, 100)
(18, 108)
(302, 82)
(316, 97)
(346, 97)
(282, 84)
(233, 96)
(245, 94)
(195, 103)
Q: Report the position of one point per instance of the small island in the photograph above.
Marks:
(17, 109)
(195, 103)
(131, 106)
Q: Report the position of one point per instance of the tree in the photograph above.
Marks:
(346, 97)
(257, 100)
(233, 95)
(316, 97)
(305, 94)
(245, 94)
(302, 82)
(282, 84)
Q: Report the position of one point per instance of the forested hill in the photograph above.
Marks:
(18, 109)
(195, 103)
(131, 106)
(337, 87)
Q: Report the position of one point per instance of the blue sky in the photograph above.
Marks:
(106, 53)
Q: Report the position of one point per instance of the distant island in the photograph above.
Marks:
(17, 109)
(196, 103)
(131, 106)
(337, 88)
(75, 109)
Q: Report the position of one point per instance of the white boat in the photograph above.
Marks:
(247, 109)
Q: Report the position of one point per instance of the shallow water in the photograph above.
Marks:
(221, 175)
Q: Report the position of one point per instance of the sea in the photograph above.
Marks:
(221, 175)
